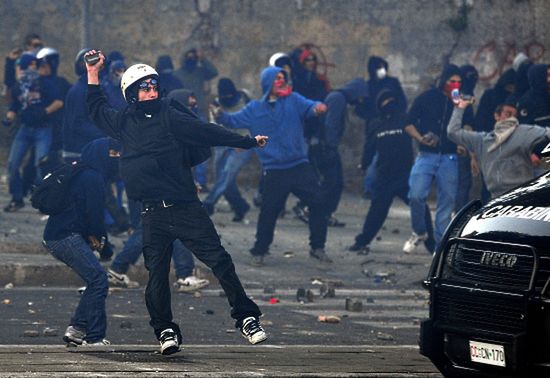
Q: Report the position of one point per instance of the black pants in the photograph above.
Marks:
(189, 223)
(277, 185)
(385, 190)
(328, 166)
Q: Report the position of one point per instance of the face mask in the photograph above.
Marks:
(381, 73)
(281, 88)
(449, 87)
(149, 106)
(190, 63)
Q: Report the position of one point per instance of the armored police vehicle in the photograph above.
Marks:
(490, 288)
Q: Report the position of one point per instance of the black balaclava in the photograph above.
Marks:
(228, 95)
(96, 155)
(190, 63)
(469, 79)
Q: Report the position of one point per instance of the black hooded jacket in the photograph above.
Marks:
(87, 191)
(534, 106)
(491, 98)
(431, 112)
(377, 85)
(153, 165)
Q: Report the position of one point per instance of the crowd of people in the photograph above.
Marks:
(136, 141)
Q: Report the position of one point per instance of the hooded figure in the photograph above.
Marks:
(308, 82)
(378, 81)
(194, 72)
(165, 68)
(228, 95)
(493, 97)
(521, 84)
(470, 77)
(534, 106)
(111, 85)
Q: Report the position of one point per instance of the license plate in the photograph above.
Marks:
(491, 354)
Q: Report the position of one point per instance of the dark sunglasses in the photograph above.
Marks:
(146, 86)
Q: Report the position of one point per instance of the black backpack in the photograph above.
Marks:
(52, 195)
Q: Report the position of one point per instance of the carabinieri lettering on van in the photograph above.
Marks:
(523, 212)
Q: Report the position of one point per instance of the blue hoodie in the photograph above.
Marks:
(88, 194)
(282, 121)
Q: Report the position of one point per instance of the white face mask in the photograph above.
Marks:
(381, 73)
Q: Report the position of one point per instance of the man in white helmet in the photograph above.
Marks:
(160, 141)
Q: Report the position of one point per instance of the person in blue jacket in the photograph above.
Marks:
(73, 235)
(280, 113)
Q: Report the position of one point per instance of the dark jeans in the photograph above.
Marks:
(384, 192)
(189, 223)
(182, 257)
(277, 185)
(90, 313)
(328, 166)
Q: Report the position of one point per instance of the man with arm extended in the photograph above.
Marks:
(158, 139)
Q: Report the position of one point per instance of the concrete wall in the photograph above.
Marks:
(416, 36)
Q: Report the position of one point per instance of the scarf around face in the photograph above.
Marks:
(503, 130)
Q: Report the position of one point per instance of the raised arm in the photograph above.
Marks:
(104, 116)
(472, 140)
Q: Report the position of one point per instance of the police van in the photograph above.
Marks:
(489, 288)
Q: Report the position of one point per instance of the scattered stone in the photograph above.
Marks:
(13, 231)
(370, 300)
(191, 308)
(209, 312)
(31, 333)
(378, 238)
(8, 286)
(51, 332)
(267, 322)
(328, 319)
(269, 290)
(354, 305)
(384, 336)
(32, 311)
(288, 254)
(384, 275)
(125, 324)
(197, 294)
(395, 231)
(316, 282)
(230, 331)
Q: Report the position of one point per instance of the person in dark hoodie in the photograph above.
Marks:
(111, 85)
(228, 162)
(281, 114)
(195, 74)
(521, 66)
(387, 139)
(78, 128)
(534, 105)
(165, 68)
(467, 164)
(437, 159)
(158, 139)
(323, 146)
(73, 235)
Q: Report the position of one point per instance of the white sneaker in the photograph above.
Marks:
(169, 343)
(413, 242)
(97, 343)
(190, 284)
(120, 280)
(252, 330)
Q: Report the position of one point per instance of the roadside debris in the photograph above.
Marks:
(31, 333)
(354, 305)
(329, 319)
(384, 336)
(8, 286)
(50, 332)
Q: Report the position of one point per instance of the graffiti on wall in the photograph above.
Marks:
(493, 58)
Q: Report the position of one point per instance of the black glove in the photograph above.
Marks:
(107, 252)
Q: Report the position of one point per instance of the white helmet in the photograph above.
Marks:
(134, 74)
(275, 57)
(46, 51)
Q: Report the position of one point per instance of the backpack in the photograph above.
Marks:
(52, 195)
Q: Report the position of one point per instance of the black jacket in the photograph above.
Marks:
(491, 98)
(153, 164)
(534, 106)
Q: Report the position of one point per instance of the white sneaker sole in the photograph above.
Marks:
(169, 349)
(256, 338)
(190, 289)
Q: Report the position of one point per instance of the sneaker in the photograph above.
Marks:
(101, 342)
(413, 242)
(169, 343)
(239, 216)
(190, 284)
(13, 206)
(252, 330)
(120, 280)
(74, 336)
(333, 222)
(360, 249)
(319, 254)
(257, 260)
